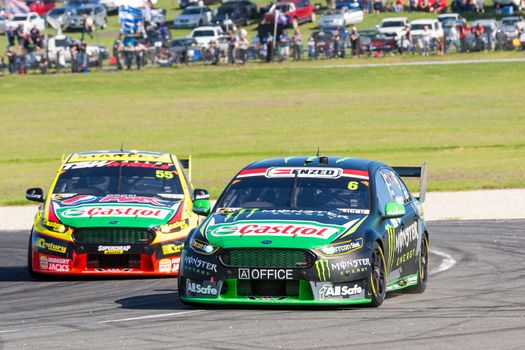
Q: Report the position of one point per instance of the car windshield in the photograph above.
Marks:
(58, 11)
(19, 18)
(181, 42)
(509, 21)
(420, 26)
(389, 24)
(226, 10)
(307, 193)
(84, 11)
(118, 177)
(201, 33)
(192, 11)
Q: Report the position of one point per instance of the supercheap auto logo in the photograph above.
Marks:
(119, 211)
(276, 228)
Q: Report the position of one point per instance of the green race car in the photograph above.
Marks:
(308, 231)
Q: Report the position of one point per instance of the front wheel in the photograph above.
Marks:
(422, 273)
(378, 276)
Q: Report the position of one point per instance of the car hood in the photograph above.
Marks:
(304, 229)
(113, 210)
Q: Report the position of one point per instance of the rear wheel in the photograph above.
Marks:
(378, 276)
(422, 274)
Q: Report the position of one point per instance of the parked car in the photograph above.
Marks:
(434, 26)
(60, 45)
(59, 16)
(192, 17)
(342, 17)
(95, 11)
(235, 12)
(110, 5)
(203, 35)
(41, 6)
(183, 50)
(444, 17)
(487, 41)
(28, 20)
(395, 27)
(517, 4)
(185, 3)
(79, 3)
(324, 41)
(350, 4)
(372, 40)
(3, 23)
(507, 32)
(290, 13)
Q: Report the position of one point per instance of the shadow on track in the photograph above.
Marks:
(14, 274)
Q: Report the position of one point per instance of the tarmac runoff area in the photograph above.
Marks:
(461, 205)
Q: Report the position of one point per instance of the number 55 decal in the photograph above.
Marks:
(163, 174)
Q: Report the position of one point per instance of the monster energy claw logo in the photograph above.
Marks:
(391, 246)
(323, 271)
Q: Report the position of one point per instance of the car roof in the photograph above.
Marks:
(423, 21)
(300, 161)
(389, 19)
(130, 155)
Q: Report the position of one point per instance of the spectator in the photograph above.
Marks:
(284, 45)
(232, 45)
(43, 65)
(11, 60)
(21, 36)
(297, 41)
(480, 6)
(464, 30)
(426, 41)
(311, 47)
(407, 44)
(453, 39)
(378, 6)
(337, 40)
(82, 57)
(355, 42)
(11, 35)
(478, 35)
(412, 5)
(140, 50)
(398, 6)
(520, 25)
(269, 48)
(87, 26)
(214, 51)
(243, 46)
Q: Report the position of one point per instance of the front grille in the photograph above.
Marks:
(113, 235)
(267, 258)
(113, 261)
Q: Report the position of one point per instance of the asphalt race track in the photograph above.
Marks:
(476, 303)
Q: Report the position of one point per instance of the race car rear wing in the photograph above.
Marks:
(415, 171)
(186, 164)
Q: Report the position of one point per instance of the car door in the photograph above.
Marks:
(403, 243)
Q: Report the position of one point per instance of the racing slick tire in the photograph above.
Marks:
(378, 276)
(422, 273)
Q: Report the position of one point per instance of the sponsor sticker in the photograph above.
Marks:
(116, 211)
(406, 236)
(205, 289)
(120, 198)
(114, 249)
(276, 228)
(42, 243)
(54, 264)
(350, 264)
(265, 274)
(342, 247)
(79, 200)
(200, 264)
(171, 248)
(329, 291)
(203, 248)
(116, 163)
(165, 265)
(328, 173)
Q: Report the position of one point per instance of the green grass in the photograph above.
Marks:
(466, 121)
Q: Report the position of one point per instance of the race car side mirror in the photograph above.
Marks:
(201, 207)
(200, 193)
(394, 210)
(35, 195)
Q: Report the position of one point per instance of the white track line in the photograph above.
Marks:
(447, 263)
(11, 331)
(418, 63)
(152, 316)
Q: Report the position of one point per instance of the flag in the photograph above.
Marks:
(129, 18)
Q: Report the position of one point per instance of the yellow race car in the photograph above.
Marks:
(113, 213)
